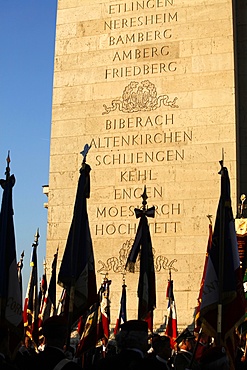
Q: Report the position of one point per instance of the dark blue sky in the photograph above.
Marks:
(27, 39)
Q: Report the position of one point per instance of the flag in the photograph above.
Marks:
(49, 306)
(105, 310)
(77, 270)
(92, 329)
(199, 299)
(171, 325)
(91, 333)
(223, 288)
(63, 304)
(10, 292)
(41, 299)
(122, 312)
(43, 289)
(31, 305)
(142, 246)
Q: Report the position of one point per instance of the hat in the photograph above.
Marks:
(161, 340)
(55, 326)
(134, 325)
(186, 334)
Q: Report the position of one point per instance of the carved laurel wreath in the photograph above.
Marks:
(140, 97)
(118, 264)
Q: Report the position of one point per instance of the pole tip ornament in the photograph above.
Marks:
(144, 198)
(243, 198)
(36, 239)
(8, 158)
(150, 212)
(221, 162)
(84, 152)
(7, 172)
(210, 218)
(242, 206)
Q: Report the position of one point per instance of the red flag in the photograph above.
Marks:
(223, 299)
(199, 299)
(171, 325)
(122, 312)
(10, 291)
(31, 305)
(143, 245)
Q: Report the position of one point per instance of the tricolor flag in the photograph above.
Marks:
(10, 291)
(31, 305)
(43, 288)
(142, 246)
(223, 302)
(105, 310)
(171, 324)
(122, 312)
(77, 270)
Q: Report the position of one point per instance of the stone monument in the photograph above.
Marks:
(150, 85)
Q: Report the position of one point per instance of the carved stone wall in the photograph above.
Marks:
(150, 86)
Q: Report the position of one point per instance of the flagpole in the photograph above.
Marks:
(19, 267)
(221, 252)
(195, 349)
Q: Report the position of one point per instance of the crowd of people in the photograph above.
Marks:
(131, 349)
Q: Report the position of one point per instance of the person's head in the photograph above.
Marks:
(55, 331)
(186, 340)
(162, 346)
(133, 334)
